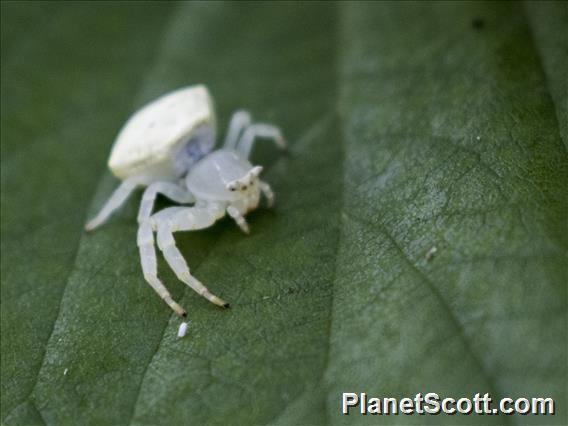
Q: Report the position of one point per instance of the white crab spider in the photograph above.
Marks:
(166, 147)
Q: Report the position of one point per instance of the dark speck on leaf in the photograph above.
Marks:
(477, 23)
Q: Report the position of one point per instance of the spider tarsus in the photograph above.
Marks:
(184, 314)
(226, 305)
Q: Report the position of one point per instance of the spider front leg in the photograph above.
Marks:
(149, 263)
(239, 218)
(267, 192)
(172, 191)
(260, 130)
(173, 219)
(239, 121)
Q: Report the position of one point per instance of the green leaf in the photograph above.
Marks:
(411, 126)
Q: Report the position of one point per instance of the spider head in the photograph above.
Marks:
(246, 182)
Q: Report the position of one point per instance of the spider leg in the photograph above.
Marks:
(239, 218)
(145, 242)
(259, 130)
(116, 200)
(171, 190)
(241, 119)
(175, 219)
(267, 192)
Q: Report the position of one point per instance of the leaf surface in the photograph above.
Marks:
(411, 127)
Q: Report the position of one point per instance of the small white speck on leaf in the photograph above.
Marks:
(478, 138)
(65, 372)
(182, 329)
(430, 253)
